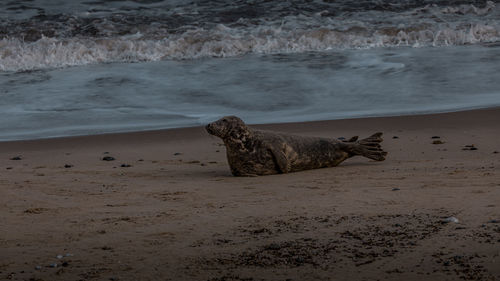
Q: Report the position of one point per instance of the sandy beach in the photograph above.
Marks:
(167, 208)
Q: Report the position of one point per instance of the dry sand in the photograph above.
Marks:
(176, 213)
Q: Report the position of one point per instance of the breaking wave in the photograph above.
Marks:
(58, 41)
(18, 55)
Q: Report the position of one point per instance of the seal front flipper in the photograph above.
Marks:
(280, 160)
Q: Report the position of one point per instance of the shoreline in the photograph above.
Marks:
(167, 207)
(260, 125)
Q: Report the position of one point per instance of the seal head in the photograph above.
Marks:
(228, 127)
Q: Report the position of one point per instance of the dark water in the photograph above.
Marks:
(84, 67)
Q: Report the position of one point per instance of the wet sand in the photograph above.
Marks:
(167, 207)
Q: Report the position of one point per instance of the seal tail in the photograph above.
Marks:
(370, 147)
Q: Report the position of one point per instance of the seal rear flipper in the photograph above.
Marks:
(353, 139)
(370, 147)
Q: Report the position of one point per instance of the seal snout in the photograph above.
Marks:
(209, 128)
(222, 127)
(214, 129)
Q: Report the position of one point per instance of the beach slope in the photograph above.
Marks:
(162, 205)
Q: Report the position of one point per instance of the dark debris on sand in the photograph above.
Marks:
(108, 158)
(464, 266)
(231, 277)
(347, 239)
(344, 241)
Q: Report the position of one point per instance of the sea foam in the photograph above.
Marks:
(222, 41)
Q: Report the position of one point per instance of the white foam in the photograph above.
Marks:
(223, 41)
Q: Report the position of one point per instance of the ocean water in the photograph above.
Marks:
(88, 67)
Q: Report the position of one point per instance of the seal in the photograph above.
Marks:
(253, 152)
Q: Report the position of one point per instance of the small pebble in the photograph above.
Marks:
(108, 158)
(450, 219)
(54, 265)
(68, 166)
(125, 165)
(469, 147)
(435, 137)
(494, 221)
(177, 153)
(396, 189)
(437, 142)
(9, 168)
(38, 267)
(65, 264)
(16, 158)
(495, 152)
(59, 256)
(395, 137)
